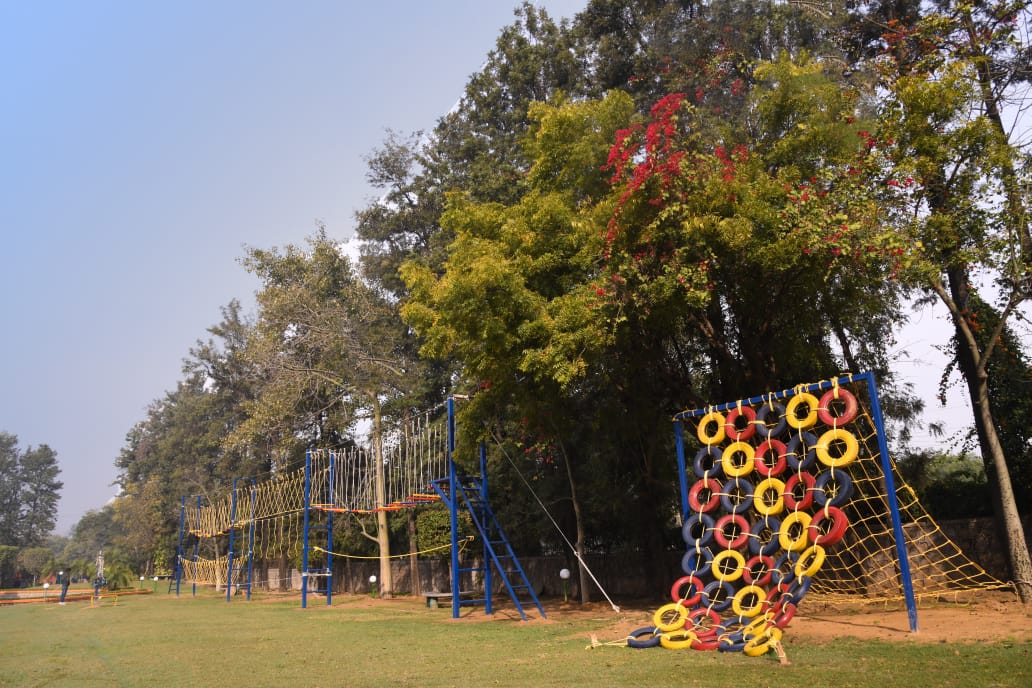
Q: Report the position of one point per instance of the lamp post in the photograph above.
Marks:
(46, 586)
(372, 586)
(155, 583)
(565, 575)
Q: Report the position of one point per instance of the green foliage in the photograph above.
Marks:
(8, 559)
(948, 485)
(29, 492)
(433, 530)
(35, 562)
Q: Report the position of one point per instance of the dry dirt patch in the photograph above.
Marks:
(986, 617)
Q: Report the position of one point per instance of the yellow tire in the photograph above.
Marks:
(677, 640)
(718, 434)
(785, 537)
(810, 561)
(664, 622)
(764, 506)
(792, 411)
(737, 469)
(738, 602)
(758, 626)
(848, 455)
(759, 644)
(729, 574)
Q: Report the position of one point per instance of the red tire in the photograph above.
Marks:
(758, 570)
(825, 405)
(731, 425)
(698, 502)
(675, 591)
(826, 535)
(771, 469)
(733, 523)
(804, 482)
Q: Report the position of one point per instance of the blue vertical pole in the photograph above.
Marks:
(250, 540)
(179, 553)
(681, 471)
(488, 587)
(329, 530)
(890, 489)
(196, 547)
(453, 493)
(232, 527)
(304, 546)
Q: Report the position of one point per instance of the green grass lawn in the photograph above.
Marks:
(159, 640)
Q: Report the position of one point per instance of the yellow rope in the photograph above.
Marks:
(462, 546)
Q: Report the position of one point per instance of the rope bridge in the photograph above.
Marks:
(271, 512)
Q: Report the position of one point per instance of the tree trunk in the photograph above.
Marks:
(386, 586)
(585, 590)
(972, 365)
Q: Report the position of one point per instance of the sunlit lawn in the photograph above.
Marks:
(159, 640)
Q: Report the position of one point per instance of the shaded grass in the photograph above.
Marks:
(164, 641)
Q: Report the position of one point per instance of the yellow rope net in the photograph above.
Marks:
(787, 496)
(412, 454)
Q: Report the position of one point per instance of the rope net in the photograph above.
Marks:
(786, 495)
(414, 453)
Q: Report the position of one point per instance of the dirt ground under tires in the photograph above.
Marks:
(982, 617)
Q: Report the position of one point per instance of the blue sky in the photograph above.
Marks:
(144, 144)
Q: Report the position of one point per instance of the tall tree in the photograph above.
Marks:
(10, 490)
(952, 76)
(29, 492)
(40, 493)
(336, 353)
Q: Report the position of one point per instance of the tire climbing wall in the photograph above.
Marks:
(791, 494)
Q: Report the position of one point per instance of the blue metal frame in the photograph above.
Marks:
(304, 548)
(488, 585)
(329, 533)
(250, 539)
(454, 514)
(232, 530)
(179, 551)
(196, 548)
(883, 450)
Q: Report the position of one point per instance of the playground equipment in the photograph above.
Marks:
(411, 465)
(794, 493)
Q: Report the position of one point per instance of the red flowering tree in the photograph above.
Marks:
(764, 241)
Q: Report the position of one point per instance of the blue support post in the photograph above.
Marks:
(250, 539)
(890, 489)
(329, 532)
(488, 585)
(453, 491)
(681, 471)
(196, 548)
(232, 528)
(179, 553)
(304, 547)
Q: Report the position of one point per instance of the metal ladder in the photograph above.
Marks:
(496, 546)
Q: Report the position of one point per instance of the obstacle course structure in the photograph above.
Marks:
(790, 494)
(294, 511)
